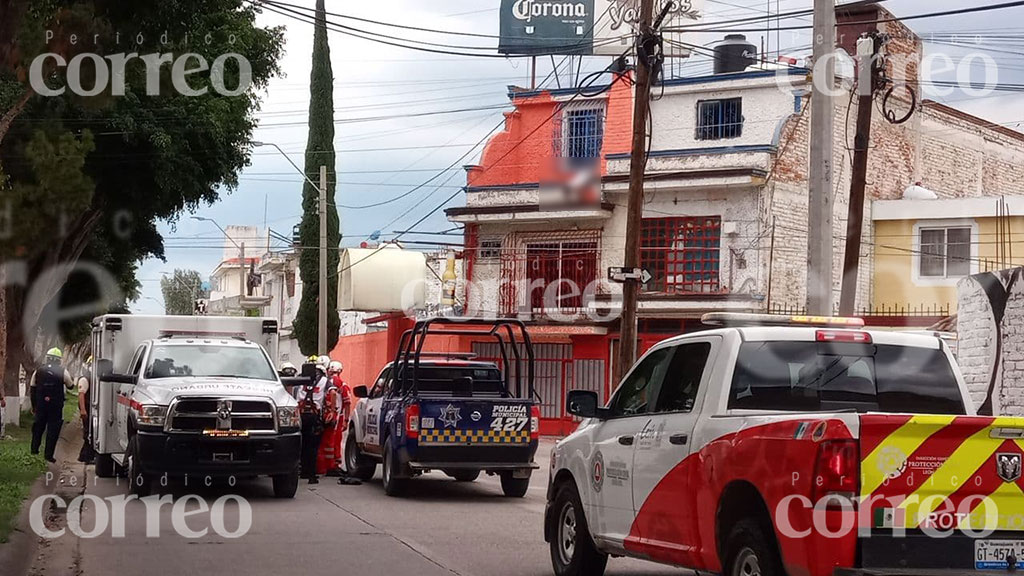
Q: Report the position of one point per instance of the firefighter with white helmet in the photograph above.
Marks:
(288, 370)
(329, 457)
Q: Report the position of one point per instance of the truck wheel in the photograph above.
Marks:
(748, 552)
(104, 466)
(464, 475)
(286, 485)
(356, 464)
(392, 486)
(572, 549)
(138, 483)
(514, 487)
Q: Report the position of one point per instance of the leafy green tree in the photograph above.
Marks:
(89, 178)
(319, 152)
(181, 290)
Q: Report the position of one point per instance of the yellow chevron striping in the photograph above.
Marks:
(1002, 510)
(906, 440)
(960, 467)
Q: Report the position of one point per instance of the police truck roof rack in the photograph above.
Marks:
(513, 341)
(450, 355)
(739, 319)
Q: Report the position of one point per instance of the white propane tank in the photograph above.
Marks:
(386, 279)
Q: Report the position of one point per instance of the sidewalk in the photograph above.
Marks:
(27, 553)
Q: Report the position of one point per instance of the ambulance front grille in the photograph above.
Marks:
(203, 414)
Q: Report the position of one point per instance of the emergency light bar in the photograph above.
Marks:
(201, 334)
(737, 319)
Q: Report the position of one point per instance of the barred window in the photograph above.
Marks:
(490, 249)
(682, 254)
(584, 134)
(719, 119)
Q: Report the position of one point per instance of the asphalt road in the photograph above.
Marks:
(439, 528)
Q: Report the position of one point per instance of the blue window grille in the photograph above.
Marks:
(719, 119)
(583, 134)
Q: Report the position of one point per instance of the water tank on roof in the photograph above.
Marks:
(387, 279)
(734, 54)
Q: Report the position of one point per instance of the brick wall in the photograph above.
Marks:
(977, 347)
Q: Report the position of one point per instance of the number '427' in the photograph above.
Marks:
(509, 424)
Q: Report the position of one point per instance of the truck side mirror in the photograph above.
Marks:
(103, 367)
(583, 403)
(120, 378)
(360, 392)
(295, 381)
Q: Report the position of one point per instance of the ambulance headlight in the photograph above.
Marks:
(151, 415)
(288, 417)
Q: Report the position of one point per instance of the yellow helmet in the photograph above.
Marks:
(55, 353)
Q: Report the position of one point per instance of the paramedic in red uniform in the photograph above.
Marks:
(329, 457)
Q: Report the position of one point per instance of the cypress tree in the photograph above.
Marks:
(319, 151)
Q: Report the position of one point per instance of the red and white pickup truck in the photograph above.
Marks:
(809, 450)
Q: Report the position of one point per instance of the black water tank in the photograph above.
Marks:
(734, 54)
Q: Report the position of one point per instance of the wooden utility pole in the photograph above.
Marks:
(635, 202)
(322, 308)
(820, 200)
(866, 49)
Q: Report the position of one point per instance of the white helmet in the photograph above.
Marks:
(289, 367)
(336, 366)
(323, 363)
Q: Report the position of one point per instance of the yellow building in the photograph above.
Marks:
(922, 248)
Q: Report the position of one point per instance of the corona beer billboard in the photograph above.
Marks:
(586, 27)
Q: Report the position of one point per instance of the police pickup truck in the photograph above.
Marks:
(193, 397)
(812, 448)
(451, 414)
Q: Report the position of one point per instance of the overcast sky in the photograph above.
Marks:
(382, 159)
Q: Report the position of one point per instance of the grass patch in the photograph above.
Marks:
(18, 470)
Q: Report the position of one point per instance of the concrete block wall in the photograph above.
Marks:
(987, 351)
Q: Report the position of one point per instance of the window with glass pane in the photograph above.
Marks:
(638, 391)
(945, 252)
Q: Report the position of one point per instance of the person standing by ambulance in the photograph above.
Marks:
(311, 403)
(47, 393)
(86, 455)
(330, 452)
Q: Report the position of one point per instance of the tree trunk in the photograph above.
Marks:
(10, 115)
(14, 342)
(4, 384)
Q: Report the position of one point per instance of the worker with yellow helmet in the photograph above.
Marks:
(47, 392)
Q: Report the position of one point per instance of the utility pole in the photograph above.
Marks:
(820, 201)
(867, 48)
(242, 287)
(635, 202)
(322, 308)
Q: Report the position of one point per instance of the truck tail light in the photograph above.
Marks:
(412, 422)
(836, 471)
(843, 336)
(534, 422)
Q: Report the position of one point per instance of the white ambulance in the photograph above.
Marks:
(191, 396)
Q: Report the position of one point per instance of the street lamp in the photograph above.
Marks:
(241, 254)
(322, 189)
(162, 305)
